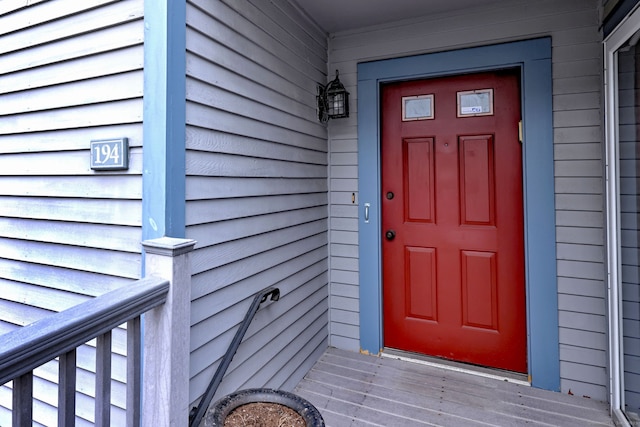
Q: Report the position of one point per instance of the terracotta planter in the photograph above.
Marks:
(217, 414)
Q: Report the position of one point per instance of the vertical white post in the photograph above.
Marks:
(165, 395)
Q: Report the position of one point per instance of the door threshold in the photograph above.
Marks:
(436, 362)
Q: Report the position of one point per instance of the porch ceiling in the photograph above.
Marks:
(341, 15)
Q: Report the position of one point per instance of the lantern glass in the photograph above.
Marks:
(336, 104)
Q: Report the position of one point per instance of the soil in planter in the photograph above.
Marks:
(263, 414)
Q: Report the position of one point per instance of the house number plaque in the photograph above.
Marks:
(110, 154)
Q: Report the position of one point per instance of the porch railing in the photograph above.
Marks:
(59, 335)
(164, 295)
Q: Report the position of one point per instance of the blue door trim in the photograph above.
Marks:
(533, 57)
(164, 120)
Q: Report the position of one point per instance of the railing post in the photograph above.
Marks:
(165, 395)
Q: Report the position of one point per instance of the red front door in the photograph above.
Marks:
(452, 219)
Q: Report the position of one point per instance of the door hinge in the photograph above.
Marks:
(520, 137)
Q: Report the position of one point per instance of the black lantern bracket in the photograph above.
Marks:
(333, 100)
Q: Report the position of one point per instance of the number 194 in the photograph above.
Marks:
(109, 154)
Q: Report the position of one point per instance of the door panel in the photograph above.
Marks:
(419, 184)
(477, 180)
(479, 290)
(453, 270)
(421, 292)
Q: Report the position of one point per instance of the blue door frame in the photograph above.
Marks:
(533, 58)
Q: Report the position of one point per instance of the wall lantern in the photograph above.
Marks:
(333, 100)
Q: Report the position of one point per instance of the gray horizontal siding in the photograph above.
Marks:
(628, 193)
(70, 72)
(210, 210)
(104, 236)
(256, 190)
(577, 97)
(579, 215)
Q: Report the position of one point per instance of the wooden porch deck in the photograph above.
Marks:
(352, 389)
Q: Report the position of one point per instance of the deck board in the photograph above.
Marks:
(351, 389)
